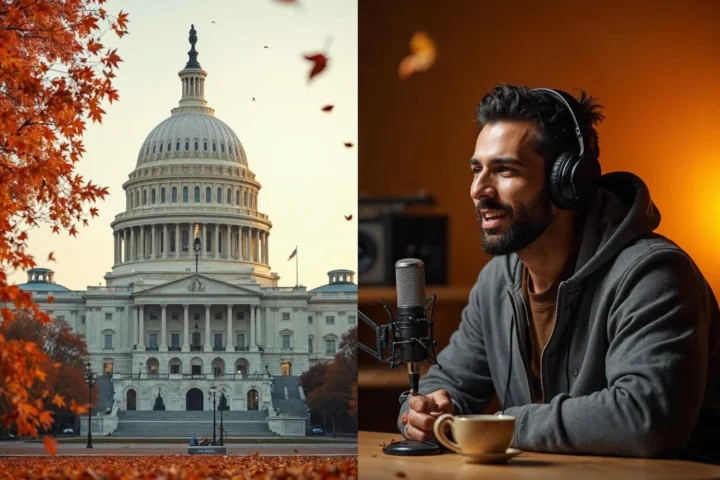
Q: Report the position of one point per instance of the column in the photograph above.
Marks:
(177, 240)
(132, 244)
(153, 248)
(208, 345)
(217, 241)
(253, 343)
(249, 244)
(228, 244)
(165, 241)
(163, 328)
(141, 328)
(230, 343)
(203, 254)
(186, 337)
(267, 248)
(142, 242)
(257, 245)
(136, 330)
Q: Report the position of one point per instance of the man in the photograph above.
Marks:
(193, 440)
(598, 335)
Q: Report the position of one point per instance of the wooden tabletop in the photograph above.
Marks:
(374, 464)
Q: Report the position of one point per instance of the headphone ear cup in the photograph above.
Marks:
(560, 181)
(586, 178)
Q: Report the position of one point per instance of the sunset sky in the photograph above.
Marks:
(308, 177)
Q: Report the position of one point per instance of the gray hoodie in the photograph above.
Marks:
(632, 367)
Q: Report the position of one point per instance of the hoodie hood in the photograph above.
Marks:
(621, 212)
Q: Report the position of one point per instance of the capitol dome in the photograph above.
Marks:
(192, 200)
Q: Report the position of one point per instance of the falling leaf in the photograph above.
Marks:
(50, 299)
(255, 454)
(50, 445)
(253, 99)
(265, 46)
(319, 64)
(348, 144)
(422, 56)
(213, 21)
(296, 450)
(328, 108)
(51, 257)
(348, 217)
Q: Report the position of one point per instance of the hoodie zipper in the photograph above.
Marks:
(522, 356)
(542, 354)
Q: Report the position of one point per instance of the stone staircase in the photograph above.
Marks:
(105, 394)
(172, 424)
(293, 405)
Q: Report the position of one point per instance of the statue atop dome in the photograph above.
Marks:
(192, 54)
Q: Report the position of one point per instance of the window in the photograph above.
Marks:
(219, 195)
(351, 320)
(286, 315)
(82, 319)
(214, 147)
(222, 147)
(208, 195)
(175, 340)
(245, 198)
(237, 197)
(240, 315)
(144, 197)
(147, 150)
(229, 197)
(187, 146)
(217, 371)
(196, 339)
(230, 148)
(172, 241)
(161, 145)
(185, 194)
(175, 315)
(286, 341)
(196, 146)
(208, 241)
(174, 368)
(329, 320)
(152, 196)
(197, 194)
(162, 195)
(310, 345)
(218, 340)
(241, 369)
(153, 315)
(108, 341)
(168, 147)
(153, 148)
(137, 198)
(174, 194)
(205, 146)
(310, 320)
(153, 340)
(330, 347)
(218, 315)
(61, 317)
(108, 316)
(177, 147)
(240, 340)
(184, 240)
(196, 369)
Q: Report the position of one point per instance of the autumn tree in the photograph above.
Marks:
(55, 75)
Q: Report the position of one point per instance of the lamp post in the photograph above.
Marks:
(90, 378)
(223, 404)
(212, 395)
(140, 369)
(197, 245)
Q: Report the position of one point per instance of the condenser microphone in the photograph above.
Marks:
(411, 327)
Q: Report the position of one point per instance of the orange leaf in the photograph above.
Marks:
(423, 52)
(319, 64)
(50, 445)
(50, 299)
(51, 257)
(58, 401)
(328, 108)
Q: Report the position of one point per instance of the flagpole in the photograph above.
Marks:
(296, 268)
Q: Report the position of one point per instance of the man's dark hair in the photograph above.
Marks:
(555, 127)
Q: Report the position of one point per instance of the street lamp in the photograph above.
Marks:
(140, 369)
(223, 406)
(197, 246)
(90, 378)
(212, 394)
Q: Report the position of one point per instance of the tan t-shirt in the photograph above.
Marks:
(541, 317)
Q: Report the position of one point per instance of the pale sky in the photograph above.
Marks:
(308, 177)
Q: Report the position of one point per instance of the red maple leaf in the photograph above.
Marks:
(328, 108)
(319, 64)
(348, 144)
(51, 257)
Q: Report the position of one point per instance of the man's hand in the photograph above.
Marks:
(424, 409)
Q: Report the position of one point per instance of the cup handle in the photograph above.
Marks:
(439, 428)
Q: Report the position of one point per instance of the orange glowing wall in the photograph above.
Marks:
(655, 66)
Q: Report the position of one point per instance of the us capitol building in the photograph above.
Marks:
(160, 334)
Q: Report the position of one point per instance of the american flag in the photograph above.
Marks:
(293, 254)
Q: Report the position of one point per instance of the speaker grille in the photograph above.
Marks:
(410, 282)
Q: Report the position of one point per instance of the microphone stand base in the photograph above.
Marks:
(411, 448)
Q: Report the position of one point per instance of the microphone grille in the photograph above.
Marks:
(410, 282)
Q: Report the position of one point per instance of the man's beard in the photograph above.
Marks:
(532, 219)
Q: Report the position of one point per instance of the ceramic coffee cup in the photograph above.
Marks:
(475, 434)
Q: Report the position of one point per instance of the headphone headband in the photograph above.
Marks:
(571, 104)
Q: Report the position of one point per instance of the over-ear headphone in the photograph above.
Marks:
(574, 176)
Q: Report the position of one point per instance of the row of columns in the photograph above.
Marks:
(163, 346)
(127, 242)
(193, 86)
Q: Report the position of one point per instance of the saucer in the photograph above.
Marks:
(488, 458)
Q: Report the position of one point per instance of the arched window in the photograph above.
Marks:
(197, 194)
(153, 148)
(168, 148)
(222, 147)
(144, 197)
(196, 146)
(184, 240)
(187, 146)
(152, 196)
(174, 194)
(161, 145)
(208, 195)
(147, 150)
(230, 148)
(245, 204)
(172, 240)
(214, 147)
(185, 194)
(177, 147)
(204, 146)
(219, 195)
(229, 197)
(237, 197)
(137, 199)
(130, 198)
(162, 195)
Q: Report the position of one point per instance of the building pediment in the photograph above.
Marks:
(197, 285)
